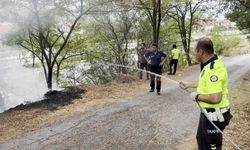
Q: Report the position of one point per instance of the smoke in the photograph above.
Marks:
(10, 11)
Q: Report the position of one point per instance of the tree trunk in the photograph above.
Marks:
(188, 59)
(138, 51)
(49, 80)
(154, 34)
(190, 35)
(58, 69)
(58, 73)
(186, 49)
(185, 40)
(33, 61)
(154, 30)
(154, 14)
(158, 21)
(154, 22)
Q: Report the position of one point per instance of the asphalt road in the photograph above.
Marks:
(146, 121)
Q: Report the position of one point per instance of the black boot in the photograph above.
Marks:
(151, 90)
(158, 92)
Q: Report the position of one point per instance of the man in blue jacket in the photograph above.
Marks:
(155, 59)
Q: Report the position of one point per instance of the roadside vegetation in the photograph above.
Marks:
(70, 39)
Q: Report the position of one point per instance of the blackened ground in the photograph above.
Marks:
(53, 99)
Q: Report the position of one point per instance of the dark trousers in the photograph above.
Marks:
(173, 62)
(208, 137)
(157, 70)
(142, 66)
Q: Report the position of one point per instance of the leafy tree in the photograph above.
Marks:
(184, 13)
(48, 32)
(156, 11)
(222, 44)
(240, 13)
(49, 40)
(114, 34)
(143, 34)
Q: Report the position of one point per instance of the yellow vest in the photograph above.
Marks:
(214, 79)
(176, 53)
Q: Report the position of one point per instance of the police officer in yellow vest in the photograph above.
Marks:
(176, 53)
(211, 95)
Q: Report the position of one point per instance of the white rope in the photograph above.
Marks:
(118, 65)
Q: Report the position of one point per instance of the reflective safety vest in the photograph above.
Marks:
(214, 79)
(176, 53)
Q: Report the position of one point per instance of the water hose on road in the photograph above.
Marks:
(176, 82)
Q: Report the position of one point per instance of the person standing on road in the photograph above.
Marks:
(155, 59)
(176, 53)
(142, 60)
(211, 95)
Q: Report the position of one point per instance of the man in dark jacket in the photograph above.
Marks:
(155, 59)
